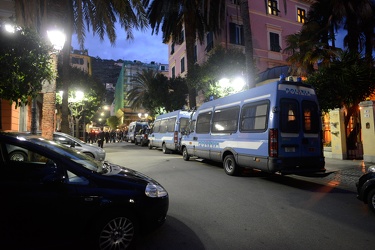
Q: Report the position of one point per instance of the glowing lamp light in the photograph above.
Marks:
(57, 39)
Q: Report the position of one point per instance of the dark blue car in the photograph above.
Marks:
(58, 196)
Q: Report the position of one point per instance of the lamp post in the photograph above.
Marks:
(57, 39)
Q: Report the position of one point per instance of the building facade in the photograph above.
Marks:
(271, 21)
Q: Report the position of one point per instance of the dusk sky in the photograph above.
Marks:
(145, 47)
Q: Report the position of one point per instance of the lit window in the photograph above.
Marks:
(272, 7)
(301, 15)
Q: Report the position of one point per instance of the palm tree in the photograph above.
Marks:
(142, 89)
(194, 18)
(79, 16)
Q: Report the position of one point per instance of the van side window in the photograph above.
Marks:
(192, 125)
(254, 117)
(225, 120)
(289, 116)
(163, 126)
(170, 124)
(156, 126)
(184, 124)
(203, 123)
(311, 116)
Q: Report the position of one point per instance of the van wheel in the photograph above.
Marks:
(371, 199)
(185, 154)
(230, 165)
(165, 150)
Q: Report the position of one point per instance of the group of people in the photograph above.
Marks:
(105, 136)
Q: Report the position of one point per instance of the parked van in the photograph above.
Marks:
(134, 128)
(166, 132)
(274, 128)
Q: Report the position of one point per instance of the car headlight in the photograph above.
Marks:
(153, 190)
(371, 168)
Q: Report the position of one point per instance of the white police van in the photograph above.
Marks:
(166, 131)
(134, 128)
(274, 128)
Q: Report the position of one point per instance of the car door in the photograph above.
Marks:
(35, 202)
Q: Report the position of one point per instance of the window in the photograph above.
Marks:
(170, 124)
(237, 2)
(274, 42)
(236, 34)
(225, 120)
(203, 123)
(182, 37)
(182, 64)
(289, 116)
(156, 127)
(272, 7)
(184, 124)
(310, 117)
(163, 126)
(76, 60)
(210, 41)
(301, 15)
(254, 117)
(195, 54)
(173, 72)
(172, 48)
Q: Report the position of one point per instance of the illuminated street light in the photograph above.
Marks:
(142, 116)
(57, 39)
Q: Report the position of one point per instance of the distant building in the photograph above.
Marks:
(81, 60)
(125, 83)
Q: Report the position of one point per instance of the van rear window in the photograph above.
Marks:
(311, 117)
(289, 116)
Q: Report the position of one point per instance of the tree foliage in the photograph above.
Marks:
(221, 63)
(156, 93)
(25, 63)
(113, 122)
(93, 89)
(186, 21)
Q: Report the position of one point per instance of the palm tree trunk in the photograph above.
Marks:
(249, 75)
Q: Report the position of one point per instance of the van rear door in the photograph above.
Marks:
(299, 135)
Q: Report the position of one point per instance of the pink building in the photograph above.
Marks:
(271, 22)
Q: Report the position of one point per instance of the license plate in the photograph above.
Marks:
(290, 149)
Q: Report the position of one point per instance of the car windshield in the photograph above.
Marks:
(74, 155)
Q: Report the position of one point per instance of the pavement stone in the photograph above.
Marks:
(344, 173)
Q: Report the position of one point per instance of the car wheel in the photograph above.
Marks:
(136, 142)
(371, 199)
(185, 154)
(17, 156)
(164, 148)
(116, 232)
(230, 165)
(89, 154)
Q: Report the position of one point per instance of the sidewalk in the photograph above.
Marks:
(345, 173)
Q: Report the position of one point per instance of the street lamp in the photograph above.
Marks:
(142, 116)
(57, 39)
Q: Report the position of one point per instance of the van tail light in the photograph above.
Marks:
(273, 143)
(175, 137)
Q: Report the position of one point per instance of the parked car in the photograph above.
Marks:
(88, 149)
(57, 195)
(366, 188)
(141, 138)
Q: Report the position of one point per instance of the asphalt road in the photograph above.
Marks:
(211, 210)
